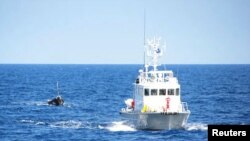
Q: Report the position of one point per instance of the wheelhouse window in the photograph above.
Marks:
(170, 91)
(146, 92)
(153, 91)
(162, 92)
(177, 91)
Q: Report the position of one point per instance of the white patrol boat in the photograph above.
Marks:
(156, 103)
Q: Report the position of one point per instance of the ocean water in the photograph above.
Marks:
(94, 95)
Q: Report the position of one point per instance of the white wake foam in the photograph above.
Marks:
(59, 124)
(67, 124)
(36, 103)
(40, 103)
(27, 121)
(118, 126)
(196, 126)
(43, 103)
(33, 122)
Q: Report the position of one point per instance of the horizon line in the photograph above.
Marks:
(120, 64)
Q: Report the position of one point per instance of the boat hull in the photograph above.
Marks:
(157, 121)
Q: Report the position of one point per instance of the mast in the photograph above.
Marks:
(144, 43)
(144, 28)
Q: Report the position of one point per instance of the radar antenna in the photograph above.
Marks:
(155, 51)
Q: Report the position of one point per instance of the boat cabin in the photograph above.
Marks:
(157, 91)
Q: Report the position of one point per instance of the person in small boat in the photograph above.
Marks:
(56, 101)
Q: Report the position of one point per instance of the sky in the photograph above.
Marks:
(112, 31)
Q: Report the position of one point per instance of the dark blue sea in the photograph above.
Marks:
(94, 95)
